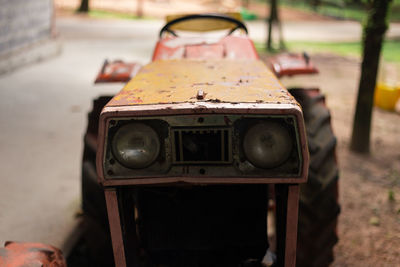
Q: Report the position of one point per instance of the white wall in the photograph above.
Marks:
(24, 22)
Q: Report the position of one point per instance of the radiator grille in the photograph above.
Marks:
(202, 145)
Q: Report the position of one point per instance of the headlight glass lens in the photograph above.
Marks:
(267, 144)
(136, 145)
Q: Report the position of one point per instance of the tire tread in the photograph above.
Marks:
(319, 208)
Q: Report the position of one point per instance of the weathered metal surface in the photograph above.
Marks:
(16, 254)
(117, 71)
(199, 109)
(214, 51)
(237, 47)
(292, 64)
(227, 81)
(291, 224)
(225, 160)
(115, 227)
(233, 47)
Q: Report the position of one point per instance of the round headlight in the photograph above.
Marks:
(135, 145)
(267, 144)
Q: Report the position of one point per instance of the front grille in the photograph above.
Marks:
(208, 146)
(202, 145)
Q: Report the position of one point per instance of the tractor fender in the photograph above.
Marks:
(16, 254)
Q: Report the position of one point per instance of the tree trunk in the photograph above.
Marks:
(373, 36)
(274, 20)
(139, 8)
(84, 7)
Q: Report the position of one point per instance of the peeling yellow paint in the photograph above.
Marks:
(179, 81)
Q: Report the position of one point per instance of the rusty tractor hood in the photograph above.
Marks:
(191, 81)
(187, 90)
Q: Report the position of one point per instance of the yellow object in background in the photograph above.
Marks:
(386, 95)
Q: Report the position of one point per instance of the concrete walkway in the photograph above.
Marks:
(43, 116)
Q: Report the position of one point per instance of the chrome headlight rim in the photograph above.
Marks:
(137, 132)
(274, 156)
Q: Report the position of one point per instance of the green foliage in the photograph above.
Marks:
(341, 9)
(102, 14)
(247, 15)
(391, 48)
(391, 195)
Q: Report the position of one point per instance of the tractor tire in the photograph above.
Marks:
(94, 248)
(318, 210)
(93, 199)
(319, 207)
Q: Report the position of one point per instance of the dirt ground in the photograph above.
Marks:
(369, 224)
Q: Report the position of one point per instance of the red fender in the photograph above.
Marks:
(16, 254)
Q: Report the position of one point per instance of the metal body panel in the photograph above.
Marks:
(16, 254)
(292, 216)
(199, 87)
(234, 47)
(115, 226)
(180, 81)
(117, 71)
(292, 64)
(228, 130)
(200, 108)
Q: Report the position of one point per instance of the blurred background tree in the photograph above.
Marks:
(373, 37)
(84, 6)
(274, 22)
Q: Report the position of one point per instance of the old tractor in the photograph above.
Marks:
(205, 159)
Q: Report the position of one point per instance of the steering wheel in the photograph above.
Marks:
(238, 23)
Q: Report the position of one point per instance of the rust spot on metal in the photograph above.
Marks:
(137, 100)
